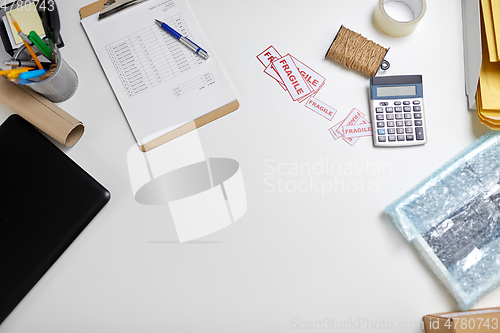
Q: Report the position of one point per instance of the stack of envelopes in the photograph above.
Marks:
(488, 92)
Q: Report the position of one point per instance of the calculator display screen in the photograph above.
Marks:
(397, 91)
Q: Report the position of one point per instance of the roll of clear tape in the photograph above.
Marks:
(394, 28)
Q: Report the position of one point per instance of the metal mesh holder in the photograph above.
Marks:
(60, 86)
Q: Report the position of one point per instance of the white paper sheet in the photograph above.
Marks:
(159, 83)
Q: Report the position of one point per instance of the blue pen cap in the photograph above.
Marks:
(32, 74)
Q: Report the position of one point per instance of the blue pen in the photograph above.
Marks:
(184, 40)
(32, 74)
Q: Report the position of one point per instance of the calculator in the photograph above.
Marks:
(397, 111)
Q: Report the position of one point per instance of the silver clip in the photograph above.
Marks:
(115, 6)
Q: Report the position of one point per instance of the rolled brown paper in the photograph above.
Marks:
(41, 113)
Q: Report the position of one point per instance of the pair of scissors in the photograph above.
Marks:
(47, 10)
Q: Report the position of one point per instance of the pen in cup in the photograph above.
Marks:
(40, 44)
(14, 63)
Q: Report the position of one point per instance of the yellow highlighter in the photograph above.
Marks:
(14, 73)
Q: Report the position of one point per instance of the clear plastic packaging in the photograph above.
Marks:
(452, 218)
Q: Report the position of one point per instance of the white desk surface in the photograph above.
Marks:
(294, 259)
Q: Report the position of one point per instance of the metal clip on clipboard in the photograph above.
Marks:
(115, 6)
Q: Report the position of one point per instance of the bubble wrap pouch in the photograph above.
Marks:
(452, 218)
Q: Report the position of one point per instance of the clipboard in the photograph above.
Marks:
(194, 124)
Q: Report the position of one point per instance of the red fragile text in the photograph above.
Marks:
(291, 77)
(321, 108)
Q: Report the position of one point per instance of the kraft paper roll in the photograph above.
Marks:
(41, 113)
(394, 28)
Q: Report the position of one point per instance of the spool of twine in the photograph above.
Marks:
(355, 51)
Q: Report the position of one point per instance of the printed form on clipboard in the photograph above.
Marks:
(164, 89)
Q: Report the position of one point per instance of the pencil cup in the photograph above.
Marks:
(58, 87)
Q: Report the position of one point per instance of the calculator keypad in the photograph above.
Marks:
(398, 123)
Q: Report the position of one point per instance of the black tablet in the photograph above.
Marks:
(46, 200)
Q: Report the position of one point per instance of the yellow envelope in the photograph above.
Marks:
(494, 122)
(487, 18)
(489, 80)
(491, 125)
(485, 112)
